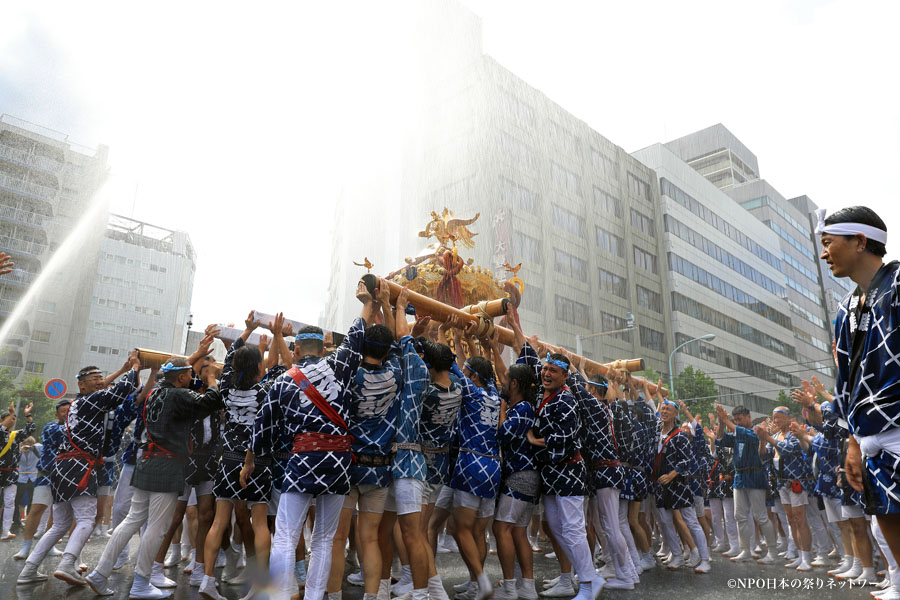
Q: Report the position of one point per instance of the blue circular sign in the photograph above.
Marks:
(55, 389)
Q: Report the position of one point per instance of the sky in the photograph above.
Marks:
(241, 125)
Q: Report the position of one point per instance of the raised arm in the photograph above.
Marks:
(499, 364)
(519, 337)
(383, 298)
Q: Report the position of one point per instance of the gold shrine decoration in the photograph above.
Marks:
(448, 230)
(440, 312)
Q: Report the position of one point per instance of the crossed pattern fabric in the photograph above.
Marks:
(517, 452)
(440, 409)
(130, 454)
(52, 438)
(85, 425)
(9, 462)
(699, 453)
(597, 440)
(835, 428)
(722, 466)
(478, 464)
(559, 425)
(409, 463)
(645, 432)
(675, 456)
(287, 412)
(750, 469)
(792, 462)
(828, 459)
(870, 402)
(373, 416)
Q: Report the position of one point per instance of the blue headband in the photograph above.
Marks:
(374, 343)
(558, 363)
(669, 402)
(782, 411)
(94, 372)
(310, 336)
(169, 367)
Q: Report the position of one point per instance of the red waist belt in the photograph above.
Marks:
(314, 441)
(154, 451)
(606, 463)
(575, 459)
(92, 461)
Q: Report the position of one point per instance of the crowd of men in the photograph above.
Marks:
(405, 430)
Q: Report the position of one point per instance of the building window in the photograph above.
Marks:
(40, 336)
(604, 166)
(649, 299)
(610, 322)
(527, 248)
(517, 152)
(533, 299)
(48, 307)
(651, 339)
(568, 221)
(574, 313)
(642, 222)
(610, 242)
(613, 284)
(607, 203)
(570, 265)
(565, 180)
(567, 140)
(638, 188)
(517, 196)
(34, 367)
(644, 260)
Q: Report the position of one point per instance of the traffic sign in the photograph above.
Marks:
(55, 389)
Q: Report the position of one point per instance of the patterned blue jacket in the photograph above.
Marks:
(599, 446)
(409, 462)
(828, 459)
(287, 412)
(52, 438)
(478, 464)
(440, 409)
(792, 464)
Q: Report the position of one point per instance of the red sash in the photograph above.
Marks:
(709, 480)
(314, 441)
(550, 397)
(92, 461)
(154, 450)
(658, 459)
(316, 398)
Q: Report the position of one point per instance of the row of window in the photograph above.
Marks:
(124, 329)
(613, 284)
(667, 188)
(124, 260)
(572, 312)
(700, 242)
(799, 266)
(644, 260)
(736, 362)
(796, 308)
(568, 141)
(766, 201)
(652, 339)
(604, 166)
(565, 180)
(710, 281)
(607, 203)
(42, 337)
(518, 196)
(570, 265)
(104, 350)
(610, 322)
(638, 188)
(567, 220)
(34, 367)
(812, 340)
(643, 223)
(797, 244)
(132, 285)
(720, 320)
(110, 303)
(797, 287)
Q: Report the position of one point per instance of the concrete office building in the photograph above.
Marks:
(46, 184)
(722, 159)
(141, 293)
(725, 277)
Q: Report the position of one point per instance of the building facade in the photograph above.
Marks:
(46, 184)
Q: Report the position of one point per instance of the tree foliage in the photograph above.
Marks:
(697, 390)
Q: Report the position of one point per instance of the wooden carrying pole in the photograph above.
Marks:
(481, 313)
(154, 358)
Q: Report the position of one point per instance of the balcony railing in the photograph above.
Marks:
(18, 276)
(18, 245)
(23, 216)
(7, 306)
(37, 190)
(31, 160)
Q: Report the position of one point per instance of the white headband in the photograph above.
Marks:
(871, 233)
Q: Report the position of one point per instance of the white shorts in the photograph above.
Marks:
(191, 492)
(833, 510)
(792, 498)
(104, 490)
(405, 496)
(42, 495)
(432, 492)
(445, 498)
(273, 502)
(483, 507)
(512, 510)
(854, 511)
(371, 498)
(699, 509)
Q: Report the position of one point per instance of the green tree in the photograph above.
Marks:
(698, 391)
(9, 392)
(44, 409)
(652, 375)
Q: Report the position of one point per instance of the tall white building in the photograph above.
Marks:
(46, 184)
(141, 293)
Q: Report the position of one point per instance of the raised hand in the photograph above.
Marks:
(383, 293)
(212, 329)
(421, 325)
(134, 361)
(250, 323)
(263, 344)
(818, 386)
(6, 263)
(27, 410)
(205, 344)
(277, 326)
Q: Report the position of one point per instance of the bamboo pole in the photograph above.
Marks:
(151, 359)
(439, 311)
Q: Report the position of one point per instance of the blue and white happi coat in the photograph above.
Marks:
(287, 412)
(792, 463)
(599, 446)
(440, 410)
(674, 455)
(9, 462)
(373, 417)
(116, 422)
(409, 462)
(84, 428)
(645, 425)
(867, 386)
(828, 459)
(478, 463)
(557, 421)
(52, 438)
(835, 429)
(516, 451)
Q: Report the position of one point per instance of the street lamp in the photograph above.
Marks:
(707, 337)
(629, 325)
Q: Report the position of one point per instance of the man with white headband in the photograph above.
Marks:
(867, 386)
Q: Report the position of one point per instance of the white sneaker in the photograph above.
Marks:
(743, 556)
(867, 577)
(647, 561)
(844, 565)
(196, 578)
(459, 588)
(804, 566)
(693, 559)
(550, 555)
(719, 548)
(794, 563)
(30, 574)
(820, 561)
(852, 573)
(607, 571)
(208, 590)
(190, 567)
(356, 579)
(676, 563)
(768, 559)
(21, 554)
(7, 536)
(732, 552)
(618, 584)
(560, 590)
(703, 567)
(99, 584)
